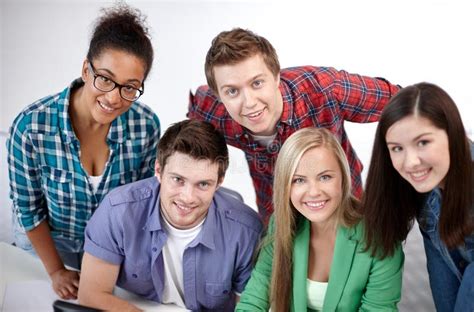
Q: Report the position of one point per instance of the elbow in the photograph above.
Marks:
(86, 297)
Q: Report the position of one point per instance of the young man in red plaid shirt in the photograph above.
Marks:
(257, 106)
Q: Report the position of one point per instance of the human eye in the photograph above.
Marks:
(232, 92)
(103, 79)
(325, 177)
(177, 180)
(422, 143)
(297, 180)
(204, 185)
(395, 149)
(129, 89)
(258, 83)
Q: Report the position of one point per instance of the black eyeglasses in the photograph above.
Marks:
(105, 84)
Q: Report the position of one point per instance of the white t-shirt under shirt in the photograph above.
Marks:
(173, 250)
(95, 181)
(264, 140)
(316, 292)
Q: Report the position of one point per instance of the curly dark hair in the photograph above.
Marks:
(123, 28)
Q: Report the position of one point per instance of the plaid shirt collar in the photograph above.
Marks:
(118, 132)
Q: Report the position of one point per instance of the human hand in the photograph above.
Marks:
(65, 283)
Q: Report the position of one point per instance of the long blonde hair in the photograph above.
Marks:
(287, 217)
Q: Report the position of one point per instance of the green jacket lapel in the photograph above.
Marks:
(300, 267)
(344, 251)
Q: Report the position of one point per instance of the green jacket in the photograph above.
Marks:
(357, 281)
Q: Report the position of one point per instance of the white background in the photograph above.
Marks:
(43, 44)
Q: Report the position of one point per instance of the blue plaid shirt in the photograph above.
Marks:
(47, 180)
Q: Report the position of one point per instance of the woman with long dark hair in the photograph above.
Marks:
(421, 167)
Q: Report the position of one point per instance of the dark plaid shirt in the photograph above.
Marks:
(312, 97)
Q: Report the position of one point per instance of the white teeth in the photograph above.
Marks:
(253, 115)
(183, 207)
(316, 204)
(109, 109)
(419, 174)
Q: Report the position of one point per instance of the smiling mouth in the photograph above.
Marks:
(419, 175)
(315, 205)
(106, 108)
(255, 115)
(183, 208)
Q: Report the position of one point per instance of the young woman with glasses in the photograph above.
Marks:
(67, 150)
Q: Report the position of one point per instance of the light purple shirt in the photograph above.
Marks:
(126, 230)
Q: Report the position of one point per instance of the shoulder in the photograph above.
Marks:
(141, 112)
(236, 212)
(39, 117)
(302, 73)
(142, 190)
(357, 233)
(142, 123)
(204, 104)
(308, 78)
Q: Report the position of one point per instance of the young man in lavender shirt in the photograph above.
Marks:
(174, 238)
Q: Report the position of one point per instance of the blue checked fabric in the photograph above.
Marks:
(47, 180)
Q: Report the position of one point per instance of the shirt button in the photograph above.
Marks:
(134, 275)
(154, 249)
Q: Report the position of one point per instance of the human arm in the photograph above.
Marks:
(256, 295)
(65, 282)
(383, 289)
(29, 205)
(98, 279)
(206, 106)
(361, 99)
(444, 283)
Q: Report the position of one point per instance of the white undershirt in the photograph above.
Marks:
(264, 140)
(316, 292)
(173, 250)
(95, 181)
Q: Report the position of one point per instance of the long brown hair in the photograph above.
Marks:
(390, 203)
(286, 215)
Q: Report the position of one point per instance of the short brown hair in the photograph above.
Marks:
(234, 46)
(197, 139)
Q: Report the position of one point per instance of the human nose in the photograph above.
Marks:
(249, 98)
(113, 96)
(411, 159)
(187, 193)
(314, 189)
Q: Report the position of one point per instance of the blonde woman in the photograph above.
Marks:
(315, 238)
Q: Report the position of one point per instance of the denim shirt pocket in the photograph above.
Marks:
(217, 294)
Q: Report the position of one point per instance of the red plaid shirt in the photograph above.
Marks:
(312, 97)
